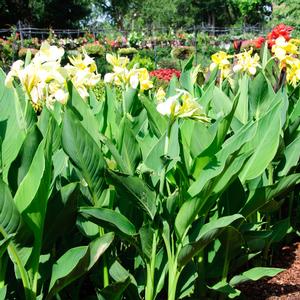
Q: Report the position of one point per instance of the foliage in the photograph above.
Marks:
(142, 62)
(94, 49)
(288, 11)
(150, 195)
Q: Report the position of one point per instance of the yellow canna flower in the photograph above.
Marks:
(221, 61)
(293, 71)
(247, 63)
(44, 81)
(283, 50)
(182, 105)
(121, 76)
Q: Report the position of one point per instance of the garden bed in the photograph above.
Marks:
(284, 286)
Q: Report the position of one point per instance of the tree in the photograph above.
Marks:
(287, 12)
(44, 13)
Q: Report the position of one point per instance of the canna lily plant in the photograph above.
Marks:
(176, 194)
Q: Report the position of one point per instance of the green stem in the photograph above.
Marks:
(105, 267)
(3, 267)
(268, 217)
(166, 149)
(149, 295)
(174, 273)
(24, 276)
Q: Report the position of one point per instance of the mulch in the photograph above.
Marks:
(284, 286)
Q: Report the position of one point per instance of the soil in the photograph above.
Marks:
(284, 286)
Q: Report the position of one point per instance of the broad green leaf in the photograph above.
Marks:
(105, 216)
(261, 96)
(61, 214)
(129, 148)
(266, 140)
(157, 122)
(13, 228)
(136, 190)
(294, 115)
(186, 281)
(225, 288)
(84, 153)
(11, 221)
(31, 182)
(220, 102)
(279, 230)
(254, 274)
(208, 154)
(84, 114)
(215, 164)
(242, 108)
(12, 124)
(130, 100)
(291, 156)
(232, 199)
(76, 262)
(20, 167)
(114, 291)
(155, 159)
(208, 233)
(202, 190)
(186, 78)
(260, 196)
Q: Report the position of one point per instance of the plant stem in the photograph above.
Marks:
(105, 268)
(149, 295)
(24, 276)
(166, 149)
(268, 217)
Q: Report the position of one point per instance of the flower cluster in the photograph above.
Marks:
(221, 61)
(246, 62)
(280, 30)
(286, 53)
(165, 74)
(44, 80)
(181, 105)
(122, 76)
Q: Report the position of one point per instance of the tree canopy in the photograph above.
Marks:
(127, 14)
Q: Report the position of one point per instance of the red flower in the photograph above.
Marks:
(165, 74)
(279, 30)
(258, 42)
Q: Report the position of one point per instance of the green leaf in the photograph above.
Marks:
(242, 107)
(20, 167)
(12, 124)
(157, 122)
(291, 156)
(129, 147)
(136, 190)
(76, 262)
(261, 96)
(225, 288)
(264, 143)
(31, 182)
(61, 214)
(208, 233)
(3, 291)
(260, 196)
(84, 153)
(254, 274)
(155, 159)
(11, 221)
(105, 216)
(114, 291)
(186, 78)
